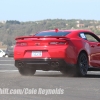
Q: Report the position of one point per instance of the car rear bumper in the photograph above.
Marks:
(43, 64)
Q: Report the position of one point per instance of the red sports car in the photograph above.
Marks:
(68, 51)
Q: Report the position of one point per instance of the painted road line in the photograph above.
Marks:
(39, 71)
(17, 71)
(7, 64)
(6, 60)
(8, 70)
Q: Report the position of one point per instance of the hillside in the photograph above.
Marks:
(11, 29)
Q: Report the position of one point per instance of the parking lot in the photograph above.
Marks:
(75, 88)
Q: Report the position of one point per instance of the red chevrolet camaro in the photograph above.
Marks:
(67, 51)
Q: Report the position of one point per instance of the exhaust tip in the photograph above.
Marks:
(20, 64)
(55, 64)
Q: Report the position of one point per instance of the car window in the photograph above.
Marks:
(90, 37)
(52, 34)
(0, 50)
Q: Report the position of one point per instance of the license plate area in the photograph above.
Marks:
(36, 54)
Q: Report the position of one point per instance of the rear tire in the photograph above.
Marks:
(82, 65)
(80, 69)
(27, 71)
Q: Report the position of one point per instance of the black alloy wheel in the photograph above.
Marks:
(82, 65)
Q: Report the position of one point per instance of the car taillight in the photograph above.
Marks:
(57, 43)
(21, 44)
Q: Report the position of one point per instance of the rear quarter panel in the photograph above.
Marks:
(74, 49)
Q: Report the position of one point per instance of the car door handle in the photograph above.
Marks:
(92, 46)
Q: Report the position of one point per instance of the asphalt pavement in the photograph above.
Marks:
(67, 88)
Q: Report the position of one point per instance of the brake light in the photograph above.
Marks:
(21, 44)
(57, 43)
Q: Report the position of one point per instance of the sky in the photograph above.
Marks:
(35, 10)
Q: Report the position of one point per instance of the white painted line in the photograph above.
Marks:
(8, 70)
(94, 71)
(46, 71)
(6, 60)
(7, 64)
(17, 71)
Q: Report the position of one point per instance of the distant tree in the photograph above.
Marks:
(12, 22)
(13, 28)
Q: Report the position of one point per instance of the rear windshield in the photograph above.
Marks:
(52, 34)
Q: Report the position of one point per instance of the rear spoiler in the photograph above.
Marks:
(25, 37)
